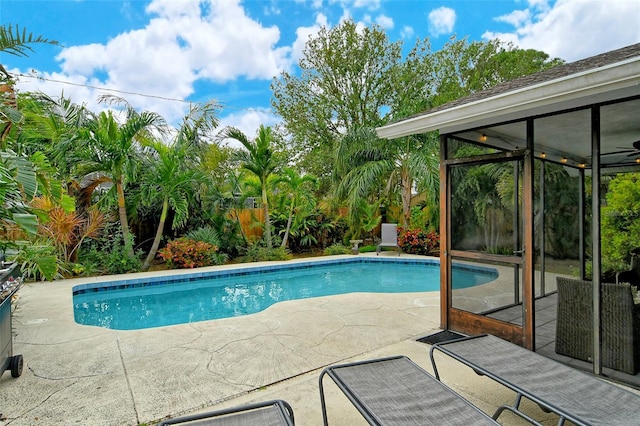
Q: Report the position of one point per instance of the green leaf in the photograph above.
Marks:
(48, 266)
(68, 203)
(28, 222)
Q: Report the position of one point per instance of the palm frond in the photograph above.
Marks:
(16, 42)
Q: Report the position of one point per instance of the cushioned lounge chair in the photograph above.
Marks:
(620, 324)
(388, 237)
(396, 391)
(573, 395)
(268, 413)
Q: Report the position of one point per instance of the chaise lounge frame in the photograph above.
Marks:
(396, 391)
(268, 413)
(573, 395)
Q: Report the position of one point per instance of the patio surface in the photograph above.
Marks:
(90, 375)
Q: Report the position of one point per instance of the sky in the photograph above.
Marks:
(162, 55)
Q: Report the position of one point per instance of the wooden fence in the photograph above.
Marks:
(251, 221)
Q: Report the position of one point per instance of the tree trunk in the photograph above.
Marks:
(267, 222)
(406, 198)
(158, 237)
(289, 220)
(122, 212)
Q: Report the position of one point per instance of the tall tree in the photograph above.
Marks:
(347, 80)
(259, 158)
(22, 177)
(621, 223)
(172, 171)
(373, 168)
(114, 151)
(52, 126)
(17, 43)
(167, 179)
(296, 190)
(462, 67)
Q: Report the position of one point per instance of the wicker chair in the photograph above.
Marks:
(620, 324)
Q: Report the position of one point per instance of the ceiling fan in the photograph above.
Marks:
(631, 152)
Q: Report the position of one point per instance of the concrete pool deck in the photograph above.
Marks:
(90, 375)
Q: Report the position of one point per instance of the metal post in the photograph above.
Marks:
(541, 227)
(517, 241)
(528, 274)
(445, 234)
(595, 225)
(582, 211)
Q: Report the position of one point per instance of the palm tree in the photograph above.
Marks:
(114, 153)
(18, 174)
(172, 174)
(51, 126)
(169, 179)
(259, 159)
(296, 186)
(371, 168)
(17, 43)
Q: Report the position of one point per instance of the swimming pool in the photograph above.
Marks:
(201, 296)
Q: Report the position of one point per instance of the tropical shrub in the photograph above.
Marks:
(68, 229)
(38, 260)
(113, 261)
(259, 253)
(418, 241)
(369, 248)
(187, 253)
(108, 253)
(312, 230)
(228, 232)
(209, 235)
(206, 234)
(336, 248)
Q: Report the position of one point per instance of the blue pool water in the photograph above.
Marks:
(161, 301)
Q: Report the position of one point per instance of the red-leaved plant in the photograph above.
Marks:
(187, 253)
(418, 241)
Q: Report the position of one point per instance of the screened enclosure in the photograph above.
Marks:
(540, 179)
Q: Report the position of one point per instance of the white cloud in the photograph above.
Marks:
(182, 43)
(407, 32)
(368, 4)
(304, 33)
(248, 123)
(56, 84)
(573, 29)
(385, 22)
(441, 21)
(86, 90)
(516, 18)
(315, 4)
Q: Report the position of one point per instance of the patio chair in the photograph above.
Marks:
(396, 391)
(632, 276)
(268, 413)
(620, 320)
(388, 237)
(573, 395)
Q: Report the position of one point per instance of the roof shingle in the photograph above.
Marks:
(586, 64)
